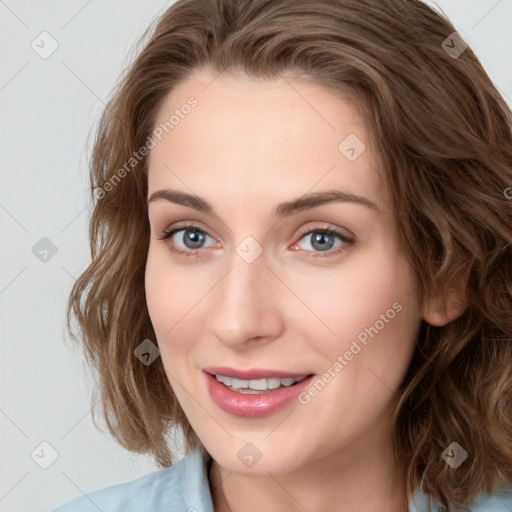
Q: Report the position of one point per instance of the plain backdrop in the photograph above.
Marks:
(49, 107)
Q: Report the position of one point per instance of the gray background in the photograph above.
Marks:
(49, 109)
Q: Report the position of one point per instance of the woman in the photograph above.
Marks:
(302, 259)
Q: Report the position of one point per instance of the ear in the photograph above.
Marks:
(448, 306)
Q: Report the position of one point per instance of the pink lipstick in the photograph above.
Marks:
(254, 393)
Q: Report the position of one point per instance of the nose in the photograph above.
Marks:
(246, 304)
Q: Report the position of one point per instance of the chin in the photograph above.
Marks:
(258, 457)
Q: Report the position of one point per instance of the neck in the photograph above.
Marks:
(358, 478)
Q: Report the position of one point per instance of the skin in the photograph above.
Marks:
(247, 146)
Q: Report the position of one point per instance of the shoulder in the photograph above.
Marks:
(181, 487)
(500, 501)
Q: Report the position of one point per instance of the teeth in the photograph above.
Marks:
(273, 383)
(257, 384)
(240, 384)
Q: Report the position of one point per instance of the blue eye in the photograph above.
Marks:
(192, 239)
(324, 241)
(329, 241)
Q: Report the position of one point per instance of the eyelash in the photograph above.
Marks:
(315, 254)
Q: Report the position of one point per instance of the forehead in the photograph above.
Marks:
(253, 136)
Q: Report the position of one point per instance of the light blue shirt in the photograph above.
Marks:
(184, 487)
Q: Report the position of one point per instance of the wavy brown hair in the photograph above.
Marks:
(443, 133)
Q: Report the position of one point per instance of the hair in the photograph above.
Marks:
(443, 133)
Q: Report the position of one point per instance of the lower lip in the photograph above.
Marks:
(253, 406)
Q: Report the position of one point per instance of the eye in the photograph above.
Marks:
(191, 239)
(323, 240)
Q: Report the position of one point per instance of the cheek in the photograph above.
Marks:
(367, 357)
(174, 300)
(370, 312)
(165, 294)
(158, 293)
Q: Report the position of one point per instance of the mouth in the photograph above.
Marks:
(254, 393)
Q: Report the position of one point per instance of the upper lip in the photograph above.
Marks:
(253, 373)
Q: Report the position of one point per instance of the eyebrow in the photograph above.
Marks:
(282, 210)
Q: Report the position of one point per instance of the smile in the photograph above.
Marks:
(256, 395)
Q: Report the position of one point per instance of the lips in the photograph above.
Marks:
(258, 404)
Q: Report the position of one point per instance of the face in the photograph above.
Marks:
(273, 255)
